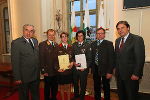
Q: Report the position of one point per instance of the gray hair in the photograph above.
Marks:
(25, 25)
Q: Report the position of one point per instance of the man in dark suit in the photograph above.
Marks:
(48, 62)
(25, 63)
(80, 47)
(130, 58)
(102, 64)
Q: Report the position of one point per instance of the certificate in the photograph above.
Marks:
(81, 59)
(63, 61)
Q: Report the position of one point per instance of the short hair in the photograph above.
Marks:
(80, 31)
(100, 29)
(25, 25)
(64, 33)
(50, 30)
(123, 22)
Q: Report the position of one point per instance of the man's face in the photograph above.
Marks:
(80, 37)
(28, 32)
(64, 38)
(51, 36)
(100, 35)
(122, 30)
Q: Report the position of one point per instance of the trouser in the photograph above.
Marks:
(100, 82)
(82, 77)
(32, 87)
(127, 89)
(50, 88)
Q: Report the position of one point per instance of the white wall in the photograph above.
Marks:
(49, 9)
(42, 15)
(138, 20)
(24, 12)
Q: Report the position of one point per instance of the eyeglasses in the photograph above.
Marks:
(29, 31)
(100, 33)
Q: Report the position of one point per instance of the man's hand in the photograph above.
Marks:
(134, 77)
(82, 69)
(108, 76)
(77, 65)
(18, 82)
(61, 70)
(45, 74)
(70, 66)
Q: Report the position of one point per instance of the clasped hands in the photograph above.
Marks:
(70, 66)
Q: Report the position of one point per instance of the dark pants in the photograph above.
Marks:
(127, 89)
(100, 81)
(50, 87)
(32, 87)
(82, 77)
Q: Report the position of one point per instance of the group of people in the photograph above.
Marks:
(125, 60)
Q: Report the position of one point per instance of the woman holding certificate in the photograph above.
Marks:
(82, 58)
(65, 65)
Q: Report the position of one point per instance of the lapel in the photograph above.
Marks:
(34, 42)
(62, 47)
(117, 44)
(25, 42)
(26, 46)
(95, 45)
(49, 45)
(101, 44)
(128, 41)
(126, 44)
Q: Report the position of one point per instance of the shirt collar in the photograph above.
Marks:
(100, 40)
(64, 44)
(80, 42)
(125, 37)
(27, 39)
(51, 41)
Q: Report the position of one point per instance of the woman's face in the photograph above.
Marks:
(64, 38)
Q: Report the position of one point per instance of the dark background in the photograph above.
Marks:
(135, 3)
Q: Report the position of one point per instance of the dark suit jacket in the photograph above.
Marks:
(85, 48)
(25, 60)
(130, 59)
(63, 51)
(48, 58)
(105, 57)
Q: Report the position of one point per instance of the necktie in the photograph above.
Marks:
(96, 55)
(80, 44)
(65, 46)
(31, 43)
(52, 44)
(98, 42)
(122, 43)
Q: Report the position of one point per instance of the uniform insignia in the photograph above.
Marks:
(48, 43)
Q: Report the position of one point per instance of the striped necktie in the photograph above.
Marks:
(96, 55)
(30, 42)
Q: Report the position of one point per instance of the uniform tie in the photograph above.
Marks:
(52, 44)
(80, 44)
(65, 46)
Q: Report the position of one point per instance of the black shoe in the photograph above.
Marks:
(74, 98)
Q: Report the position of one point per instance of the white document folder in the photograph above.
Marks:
(81, 59)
